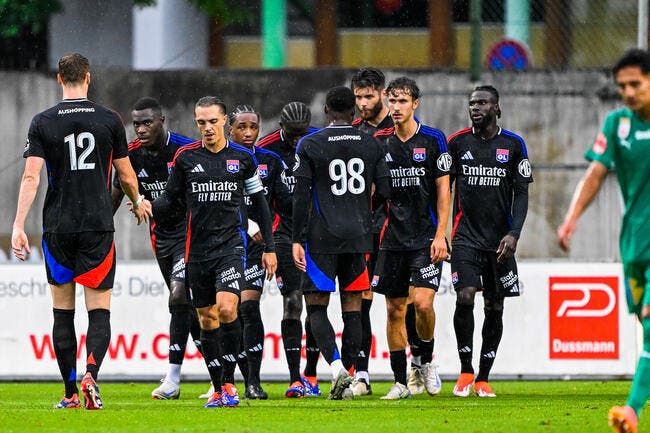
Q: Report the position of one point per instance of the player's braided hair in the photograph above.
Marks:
(295, 112)
(244, 108)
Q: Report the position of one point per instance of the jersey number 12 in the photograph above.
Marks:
(80, 163)
(347, 177)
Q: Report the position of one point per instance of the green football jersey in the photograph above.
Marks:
(624, 145)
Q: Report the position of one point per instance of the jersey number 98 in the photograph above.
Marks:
(347, 177)
(85, 139)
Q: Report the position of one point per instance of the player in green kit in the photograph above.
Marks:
(624, 145)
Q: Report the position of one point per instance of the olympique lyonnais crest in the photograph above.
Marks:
(279, 282)
(263, 170)
(170, 165)
(503, 155)
(232, 165)
(454, 278)
(375, 281)
(419, 154)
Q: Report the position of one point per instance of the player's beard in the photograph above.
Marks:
(372, 115)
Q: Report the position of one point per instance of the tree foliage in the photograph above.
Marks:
(19, 15)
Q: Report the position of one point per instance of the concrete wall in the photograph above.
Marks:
(172, 34)
(99, 29)
(557, 114)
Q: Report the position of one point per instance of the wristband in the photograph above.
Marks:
(138, 202)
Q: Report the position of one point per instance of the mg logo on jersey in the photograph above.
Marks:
(583, 318)
(503, 155)
(263, 170)
(232, 165)
(419, 154)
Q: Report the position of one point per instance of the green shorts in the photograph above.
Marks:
(637, 286)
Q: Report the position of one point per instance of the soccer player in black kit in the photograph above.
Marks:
(79, 141)
(151, 154)
(294, 124)
(335, 170)
(491, 173)
(244, 129)
(209, 179)
(368, 87)
(413, 243)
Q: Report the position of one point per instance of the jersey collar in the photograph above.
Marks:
(498, 131)
(74, 100)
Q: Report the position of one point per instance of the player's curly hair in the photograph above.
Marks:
(406, 85)
(243, 108)
(295, 112)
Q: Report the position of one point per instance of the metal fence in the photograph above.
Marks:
(564, 34)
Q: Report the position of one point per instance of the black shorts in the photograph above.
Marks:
(287, 277)
(254, 273)
(398, 270)
(87, 258)
(471, 267)
(371, 258)
(323, 269)
(172, 266)
(223, 274)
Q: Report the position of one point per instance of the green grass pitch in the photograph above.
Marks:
(560, 406)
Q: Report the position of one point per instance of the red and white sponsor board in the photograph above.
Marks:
(570, 303)
(583, 317)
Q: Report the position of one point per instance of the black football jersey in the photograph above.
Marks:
(212, 186)
(271, 170)
(276, 142)
(152, 173)
(363, 125)
(378, 215)
(484, 173)
(78, 139)
(414, 167)
(340, 163)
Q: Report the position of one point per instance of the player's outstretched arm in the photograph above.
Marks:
(584, 194)
(141, 207)
(28, 188)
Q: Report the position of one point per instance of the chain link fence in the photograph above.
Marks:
(562, 34)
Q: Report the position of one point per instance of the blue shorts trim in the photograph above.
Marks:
(318, 277)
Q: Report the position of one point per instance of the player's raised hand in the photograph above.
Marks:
(299, 256)
(270, 263)
(564, 233)
(507, 248)
(20, 244)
